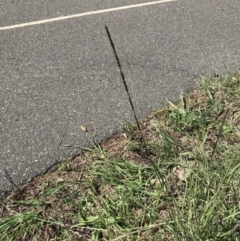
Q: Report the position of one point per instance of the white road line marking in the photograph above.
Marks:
(82, 14)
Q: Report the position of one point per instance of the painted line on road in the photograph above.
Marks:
(22, 25)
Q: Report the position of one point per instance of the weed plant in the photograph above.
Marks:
(172, 177)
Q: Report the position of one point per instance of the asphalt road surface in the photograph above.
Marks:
(58, 71)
